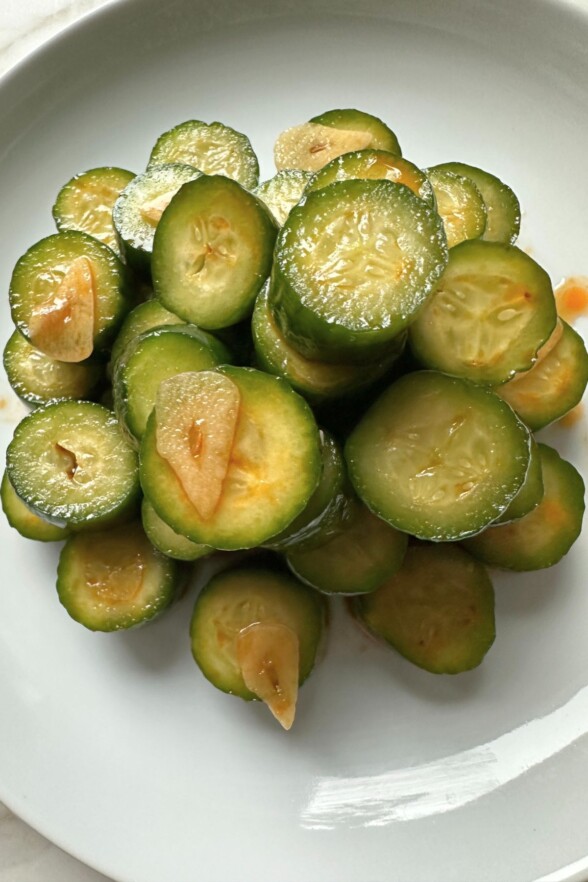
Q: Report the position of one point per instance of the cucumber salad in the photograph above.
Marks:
(333, 377)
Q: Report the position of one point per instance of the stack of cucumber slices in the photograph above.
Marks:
(340, 368)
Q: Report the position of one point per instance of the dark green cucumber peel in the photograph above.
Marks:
(114, 579)
(24, 521)
(383, 138)
(545, 535)
(212, 252)
(438, 457)
(356, 560)
(437, 610)
(70, 462)
(334, 306)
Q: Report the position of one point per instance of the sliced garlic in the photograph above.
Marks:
(269, 657)
(196, 420)
(63, 326)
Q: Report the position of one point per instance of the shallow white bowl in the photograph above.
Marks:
(114, 746)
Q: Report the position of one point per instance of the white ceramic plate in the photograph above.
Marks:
(114, 746)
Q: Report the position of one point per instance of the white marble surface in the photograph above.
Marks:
(25, 856)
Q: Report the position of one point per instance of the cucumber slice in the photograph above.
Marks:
(213, 148)
(437, 610)
(317, 380)
(68, 295)
(114, 579)
(438, 457)
(212, 252)
(138, 210)
(24, 521)
(264, 466)
(531, 493)
(166, 540)
(553, 386)
(374, 165)
(544, 536)
(327, 509)
(289, 620)
(85, 203)
(381, 136)
(489, 316)
(70, 463)
(282, 192)
(155, 356)
(143, 317)
(354, 561)
(353, 264)
(36, 378)
(460, 204)
(502, 206)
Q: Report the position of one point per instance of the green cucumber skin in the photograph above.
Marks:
(158, 479)
(84, 378)
(137, 250)
(274, 355)
(165, 284)
(166, 540)
(481, 603)
(172, 579)
(498, 196)
(384, 137)
(434, 351)
(486, 545)
(327, 509)
(74, 241)
(550, 408)
(317, 337)
(477, 217)
(166, 150)
(357, 450)
(530, 494)
(60, 210)
(208, 354)
(331, 568)
(120, 511)
(26, 522)
(310, 639)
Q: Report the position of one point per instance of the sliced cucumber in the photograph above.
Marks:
(167, 540)
(531, 493)
(544, 536)
(68, 295)
(327, 509)
(138, 210)
(24, 521)
(437, 610)
(356, 560)
(70, 463)
(212, 252)
(213, 148)
(353, 264)
(381, 136)
(502, 206)
(255, 634)
(36, 378)
(374, 165)
(317, 380)
(115, 579)
(490, 314)
(438, 457)
(553, 386)
(155, 356)
(85, 203)
(460, 204)
(229, 458)
(143, 317)
(282, 192)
